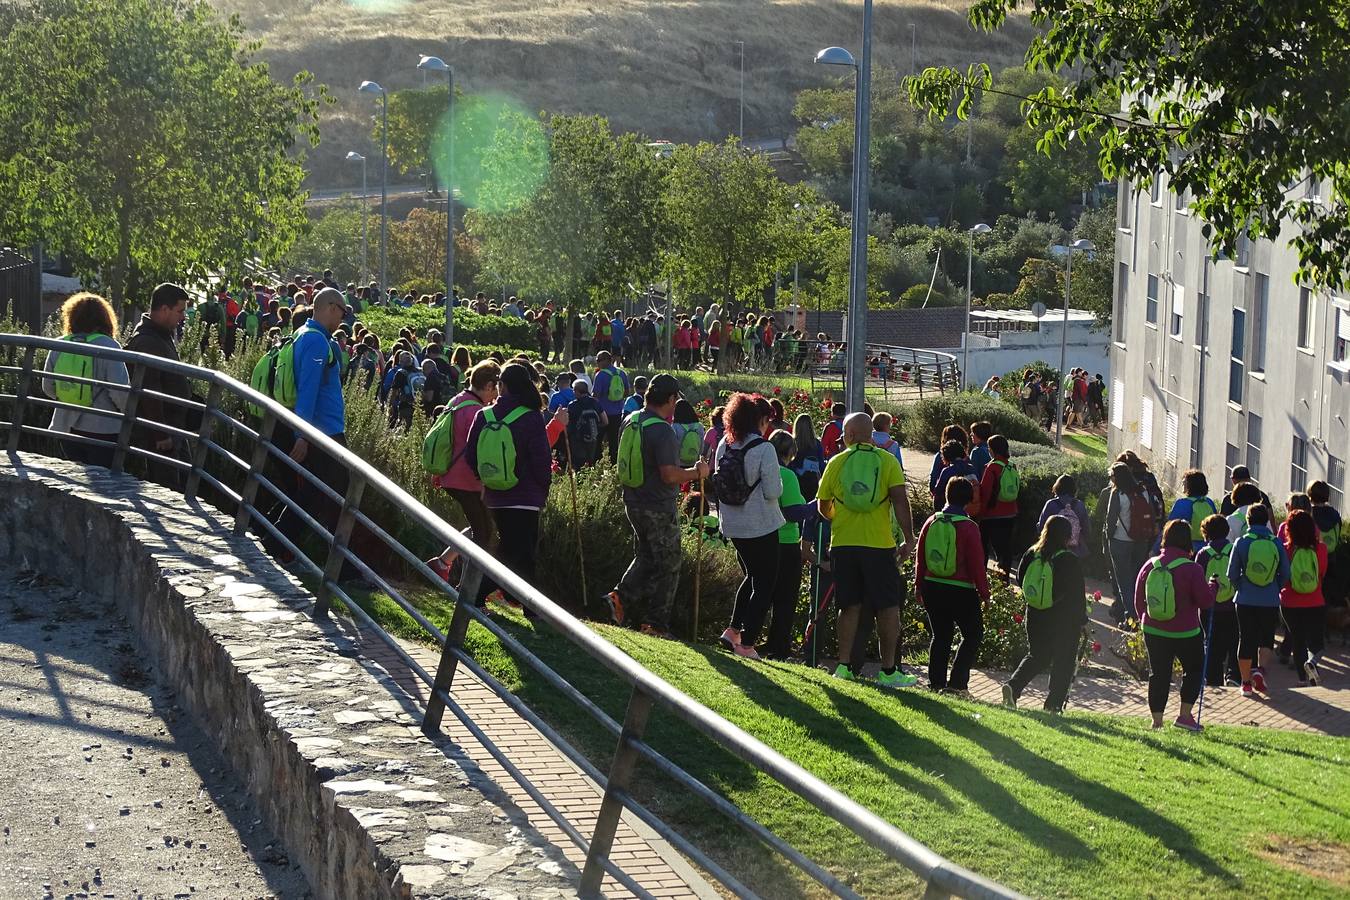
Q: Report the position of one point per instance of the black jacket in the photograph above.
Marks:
(150, 339)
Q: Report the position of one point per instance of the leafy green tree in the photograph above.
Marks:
(732, 222)
(1045, 184)
(1042, 282)
(413, 118)
(1241, 106)
(1093, 275)
(333, 241)
(141, 138)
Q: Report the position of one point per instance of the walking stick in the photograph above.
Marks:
(576, 517)
(698, 554)
(1204, 667)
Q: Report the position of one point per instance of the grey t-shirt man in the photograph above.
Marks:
(660, 447)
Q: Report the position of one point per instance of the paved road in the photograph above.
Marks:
(106, 788)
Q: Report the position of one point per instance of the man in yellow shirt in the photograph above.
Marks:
(858, 491)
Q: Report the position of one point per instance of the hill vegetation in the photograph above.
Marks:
(665, 68)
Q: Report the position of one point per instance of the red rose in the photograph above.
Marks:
(707, 401)
(1096, 647)
(778, 390)
(1017, 618)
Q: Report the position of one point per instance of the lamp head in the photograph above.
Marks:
(371, 87)
(981, 228)
(353, 156)
(433, 64)
(835, 56)
(1084, 245)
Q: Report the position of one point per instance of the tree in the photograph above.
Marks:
(1242, 108)
(333, 241)
(1094, 274)
(140, 138)
(732, 222)
(1042, 282)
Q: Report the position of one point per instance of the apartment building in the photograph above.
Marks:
(1218, 362)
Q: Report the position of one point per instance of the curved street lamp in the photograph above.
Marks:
(371, 87)
(436, 64)
(981, 228)
(353, 156)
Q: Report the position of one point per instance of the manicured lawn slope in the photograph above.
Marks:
(1072, 806)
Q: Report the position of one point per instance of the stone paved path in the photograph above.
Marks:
(640, 852)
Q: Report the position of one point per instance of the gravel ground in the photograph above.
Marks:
(108, 789)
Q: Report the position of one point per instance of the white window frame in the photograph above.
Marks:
(1146, 423)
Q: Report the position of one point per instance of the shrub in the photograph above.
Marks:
(1039, 467)
(470, 327)
(1010, 383)
(921, 423)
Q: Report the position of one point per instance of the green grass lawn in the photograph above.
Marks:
(1071, 806)
(1087, 444)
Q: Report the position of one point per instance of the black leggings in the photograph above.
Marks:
(518, 542)
(1052, 643)
(786, 589)
(480, 524)
(1223, 644)
(1256, 629)
(951, 607)
(1161, 653)
(997, 535)
(1307, 632)
(759, 562)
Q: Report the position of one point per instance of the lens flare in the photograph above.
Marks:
(379, 7)
(500, 152)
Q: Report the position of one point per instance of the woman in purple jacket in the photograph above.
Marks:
(515, 511)
(1169, 594)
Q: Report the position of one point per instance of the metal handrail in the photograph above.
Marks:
(942, 877)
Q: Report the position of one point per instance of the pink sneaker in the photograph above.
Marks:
(1259, 681)
(730, 639)
(1188, 723)
(746, 652)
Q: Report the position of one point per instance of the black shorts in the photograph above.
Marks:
(866, 575)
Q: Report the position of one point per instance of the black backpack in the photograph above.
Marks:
(729, 481)
(584, 436)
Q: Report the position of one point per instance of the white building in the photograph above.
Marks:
(1218, 362)
(1003, 340)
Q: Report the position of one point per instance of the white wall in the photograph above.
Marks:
(1087, 349)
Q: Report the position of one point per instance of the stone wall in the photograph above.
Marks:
(325, 742)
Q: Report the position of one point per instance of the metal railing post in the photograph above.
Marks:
(351, 502)
(620, 773)
(918, 370)
(248, 495)
(119, 460)
(199, 452)
(454, 640)
(21, 400)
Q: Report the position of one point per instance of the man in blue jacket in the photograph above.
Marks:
(318, 401)
(611, 397)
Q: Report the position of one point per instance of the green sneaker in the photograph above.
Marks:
(896, 679)
(843, 672)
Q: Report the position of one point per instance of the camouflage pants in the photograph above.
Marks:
(650, 582)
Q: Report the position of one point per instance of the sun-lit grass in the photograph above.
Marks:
(1064, 806)
(1093, 445)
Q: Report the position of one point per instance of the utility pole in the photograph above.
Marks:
(741, 130)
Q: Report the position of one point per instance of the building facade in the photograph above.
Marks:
(1218, 362)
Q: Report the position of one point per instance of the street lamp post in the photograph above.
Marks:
(436, 64)
(353, 156)
(370, 87)
(856, 336)
(741, 130)
(970, 264)
(1081, 246)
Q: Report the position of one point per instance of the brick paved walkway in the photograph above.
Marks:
(637, 849)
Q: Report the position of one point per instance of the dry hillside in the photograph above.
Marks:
(668, 68)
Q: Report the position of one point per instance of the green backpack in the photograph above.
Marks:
(631, 474)
(691, 444)
(1304, 576)
(1216, 566)
(860, 478)
(1009, 481)
(1263, 560)
(282, 380)
(1160, 590)
(497, 450)
(252, 322)
(77, 365)
(939, 545)
(1038, 584)
(438, 456)
(616, 392)
(1331, 537)
(213, 312)
(264, 377)
(1198, 514)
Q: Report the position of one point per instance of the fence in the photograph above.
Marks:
(20, 288)
(224, 443)
(891, 373)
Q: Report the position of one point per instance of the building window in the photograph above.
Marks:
(1117, 403)
(1122, 297)
(1170, 438)
(1305, 319)
(1195, 442)
(1298, 465)
(1146, 423)
(1259, 308)
(1179, 201)
(1336, 478)
(1178, 308)
(1237, 369)
(1340, 344)
(1244, 251)
(1155, 189)
(1232, 458)
(1126, 201)
(1151, 304)
(1254, 446)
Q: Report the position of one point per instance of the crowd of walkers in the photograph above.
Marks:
(1208, 584)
